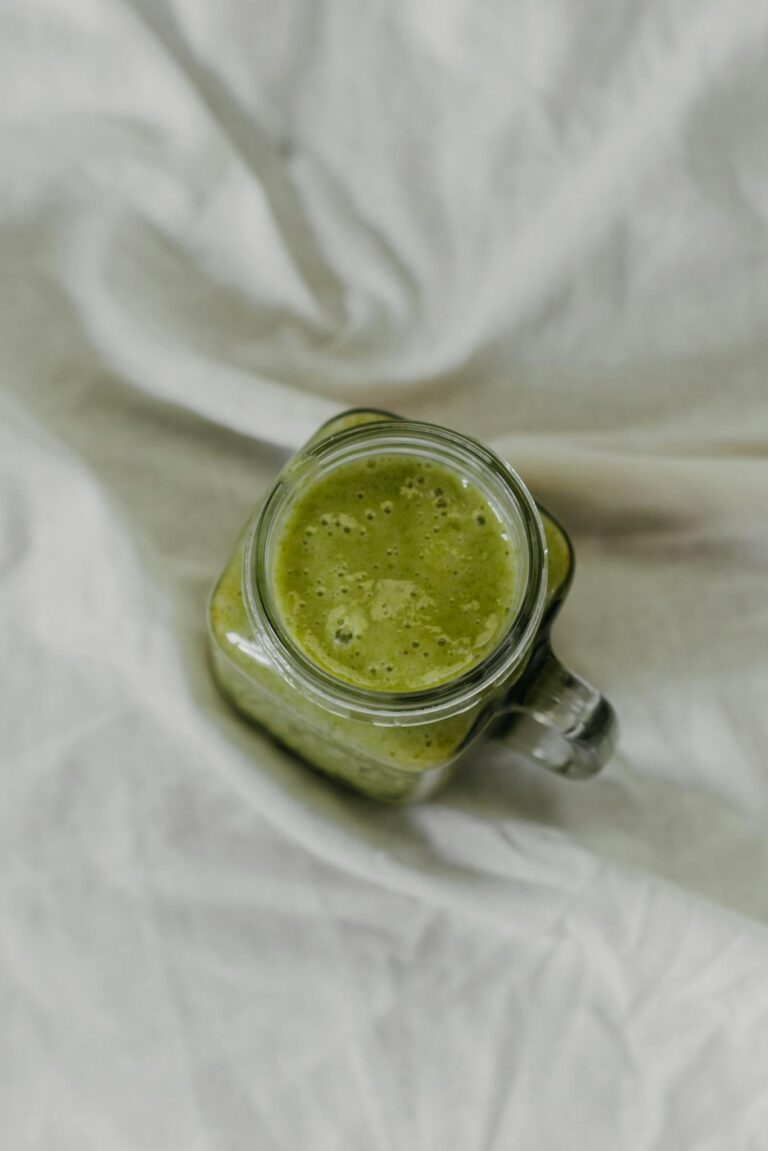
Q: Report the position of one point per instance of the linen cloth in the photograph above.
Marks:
(545, 224)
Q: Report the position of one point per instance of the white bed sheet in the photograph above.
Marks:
(546, 224)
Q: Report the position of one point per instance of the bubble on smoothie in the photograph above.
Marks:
(343, 620)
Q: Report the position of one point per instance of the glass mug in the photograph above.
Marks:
(400, 746)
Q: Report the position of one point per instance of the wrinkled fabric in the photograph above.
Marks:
(220, 223)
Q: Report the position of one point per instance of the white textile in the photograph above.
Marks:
(543, 223)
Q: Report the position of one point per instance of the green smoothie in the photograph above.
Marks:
(395, 573)
(396, 577)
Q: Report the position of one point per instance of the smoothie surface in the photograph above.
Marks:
(394, 573)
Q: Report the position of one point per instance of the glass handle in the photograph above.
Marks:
(558, 720)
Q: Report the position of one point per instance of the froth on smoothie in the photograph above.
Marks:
(394, 573)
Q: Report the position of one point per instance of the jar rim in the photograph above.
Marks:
(336, 695)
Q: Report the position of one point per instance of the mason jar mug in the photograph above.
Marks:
(397, 729)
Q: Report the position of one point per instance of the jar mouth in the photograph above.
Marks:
(498, 482)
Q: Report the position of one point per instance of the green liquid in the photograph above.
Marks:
(395, 574)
